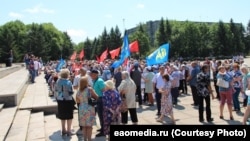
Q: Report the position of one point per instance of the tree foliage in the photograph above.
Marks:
(187, 39)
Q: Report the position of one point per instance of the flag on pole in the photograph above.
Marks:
(134, 47)
(73, 56)
(115, 52)
(158, 56)
(125, 52)
(60, 64)
(81, 55)
(98, 59)
(103, 56)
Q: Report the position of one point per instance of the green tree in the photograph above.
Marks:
(12, 37)
(87, 49)
(143, 41)
(168, 31)
(104, 42)
(161, 36)
(221, 40)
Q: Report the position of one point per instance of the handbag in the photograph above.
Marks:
(222, 83)
(91, 101)
(124, 106)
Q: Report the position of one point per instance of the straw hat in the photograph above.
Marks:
(110, 84)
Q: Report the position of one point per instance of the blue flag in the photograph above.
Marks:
(125, 52)
(158, 56)
(60, 65)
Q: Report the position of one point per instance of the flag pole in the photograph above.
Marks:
(124, 25)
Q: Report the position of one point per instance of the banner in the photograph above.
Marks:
(159, 56)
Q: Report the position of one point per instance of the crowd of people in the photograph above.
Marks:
(119, 91)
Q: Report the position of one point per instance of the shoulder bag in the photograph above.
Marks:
(222, 83)
(91, 101)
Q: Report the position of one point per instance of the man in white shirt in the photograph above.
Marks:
(36, 66)
(158, 83)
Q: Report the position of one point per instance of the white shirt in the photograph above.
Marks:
(77, 80)
(36, 65)
(158, 80)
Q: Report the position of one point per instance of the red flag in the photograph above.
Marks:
(73, 56)
(98, 59)
(81, 55)
(134, 47)
(115, 52)
(125, 63)
(104, 55)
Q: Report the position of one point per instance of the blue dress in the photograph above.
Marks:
(111, 102)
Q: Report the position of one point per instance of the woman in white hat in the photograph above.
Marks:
(111, 106)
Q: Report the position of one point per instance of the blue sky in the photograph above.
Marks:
(82, 18)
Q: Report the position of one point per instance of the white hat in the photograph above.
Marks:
(155, 66)
(110, 84)
(149, 67)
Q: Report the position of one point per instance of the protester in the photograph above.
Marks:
(204, 92)
(127, 89)
(225, 93)
(65, 101)
(111, 107)
(246, 86)
(86, 111)
(99, 87)
(166, 100)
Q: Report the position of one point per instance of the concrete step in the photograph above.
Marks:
(53, 130)
(1, 107)
(36, 129)
(19, 128)
(6, 118)
(13, 87)
(8, 70)
(36, 97)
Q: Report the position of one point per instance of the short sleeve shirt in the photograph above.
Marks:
(98, 86)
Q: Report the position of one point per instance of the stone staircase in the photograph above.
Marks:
(7, 116)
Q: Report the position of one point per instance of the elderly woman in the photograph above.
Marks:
(65, 101)
(204, 92)
(246, 86)
(111, 106)
(127, 89)
(149, 85)
(226, 93)
(166, 100)
(87, 117)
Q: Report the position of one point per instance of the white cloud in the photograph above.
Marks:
(108, 16)
(39, 9)
(140, 6)
(15, 15)
(77, 34)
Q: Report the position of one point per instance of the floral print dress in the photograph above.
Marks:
(166, 100)
(111, 111)
(86, 112)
